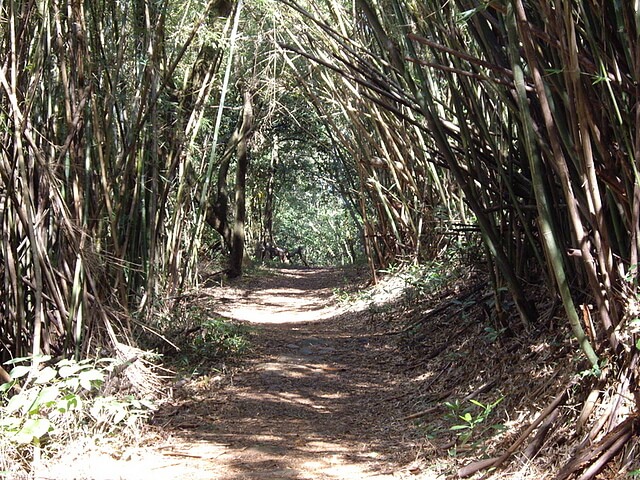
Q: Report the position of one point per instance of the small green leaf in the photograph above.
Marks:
(460, 427)
(88, 377)
(69, 369)
(17, 360)
(68, 402)
(17, 402)
(46, 375)
(65, 362)
(20, 371)
(93, 375)
(48, 395)
(638, 344)
(33, 429)
(95, 410)
(466, 417)
(5, 387)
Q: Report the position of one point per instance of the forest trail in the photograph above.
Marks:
(308, 403)
(311, 401)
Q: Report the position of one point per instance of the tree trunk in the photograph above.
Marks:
(237, 239)
(269, 202)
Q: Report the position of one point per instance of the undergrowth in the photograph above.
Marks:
(477, 378)
(215, 339)
(99, 403)
(55, 403)
(194, 340)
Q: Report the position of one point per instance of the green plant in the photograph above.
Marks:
(61, 398)
(454, 407)
(493, 334)
(219, 338)
(595, 371)
(471, 417)
(344, 296)
(112, 413)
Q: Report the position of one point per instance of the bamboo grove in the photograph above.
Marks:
(518, 118)
(100, 106)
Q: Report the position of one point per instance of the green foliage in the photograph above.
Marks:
(219, 338)
(349, 296)
(112, 413)
(312, 214)
(595, 371)
(201, 338)
(424, 279)
(197, 337)
(471, 417)
(493, 334)
(429, 277)
(62, 400)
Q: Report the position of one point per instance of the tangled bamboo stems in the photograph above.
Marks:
(92, 143)
(525, 111)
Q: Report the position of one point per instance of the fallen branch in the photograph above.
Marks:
(476, 466)
(543, 415)
(422, 413)
(590, 453)
(595, 467)
(481, 389)
(530, 451)
(536, 444)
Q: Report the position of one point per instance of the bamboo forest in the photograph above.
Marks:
(319, 239)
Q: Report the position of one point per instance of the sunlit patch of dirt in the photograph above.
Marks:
(288, 296)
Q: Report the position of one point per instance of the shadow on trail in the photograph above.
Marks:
(309, 404)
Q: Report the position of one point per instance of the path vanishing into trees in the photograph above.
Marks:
(311, 400)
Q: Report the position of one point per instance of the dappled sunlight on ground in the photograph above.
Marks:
(330, 393)
(293, 295)
(304, 407)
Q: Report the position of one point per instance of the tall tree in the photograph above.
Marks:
(238, 237)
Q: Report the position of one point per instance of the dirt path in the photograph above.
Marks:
(307, 404)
